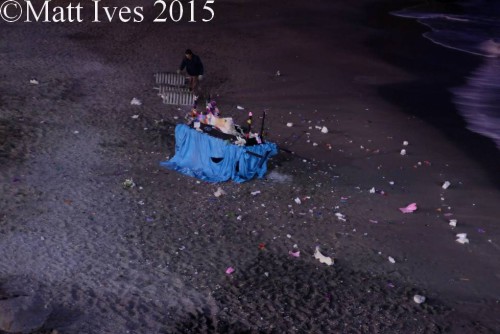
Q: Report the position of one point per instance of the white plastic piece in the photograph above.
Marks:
(323, 259)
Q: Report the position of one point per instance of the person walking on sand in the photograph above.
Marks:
(194, 68)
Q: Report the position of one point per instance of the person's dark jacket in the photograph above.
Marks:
(194, 66)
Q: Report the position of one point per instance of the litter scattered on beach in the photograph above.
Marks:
(323, 259)
(279, 177)
(403, 152)
(135, 117)
(219, 192)
(255, 192)
(229, 270)
(297, 200)
(446, 185)
(324, 129)
(409, 208)
(405, 143)
(136, 102)
(372, 190)
(294, 253)
(453, 222)
(340, 217)
(391, 259)
(418, 299)
(289, 124)
(128, 183)
(240, 108)
(34, 82)
(462, 238)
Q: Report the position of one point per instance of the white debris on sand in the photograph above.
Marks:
(34, 82)
(323, 259)
(136, 102)
(289, 124)
(279, 177)
(419, 299)
(128, 183)
(391, 259)
(219, 192)
(340, 217)
(462, 238)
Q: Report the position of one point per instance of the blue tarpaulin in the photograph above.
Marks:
(212, 159)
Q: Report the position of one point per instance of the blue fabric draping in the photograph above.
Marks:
(215, 160)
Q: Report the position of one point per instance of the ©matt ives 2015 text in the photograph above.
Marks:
(165, 11)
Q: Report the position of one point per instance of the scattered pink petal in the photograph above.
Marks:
(294, 254)
(409, 209)
(229, 270)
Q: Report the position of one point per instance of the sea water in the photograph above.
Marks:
(472, 27)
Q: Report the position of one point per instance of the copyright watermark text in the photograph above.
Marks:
(164, 11)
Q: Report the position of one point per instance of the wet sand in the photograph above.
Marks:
(152, 259)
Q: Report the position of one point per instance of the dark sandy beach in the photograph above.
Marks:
(152, 259)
